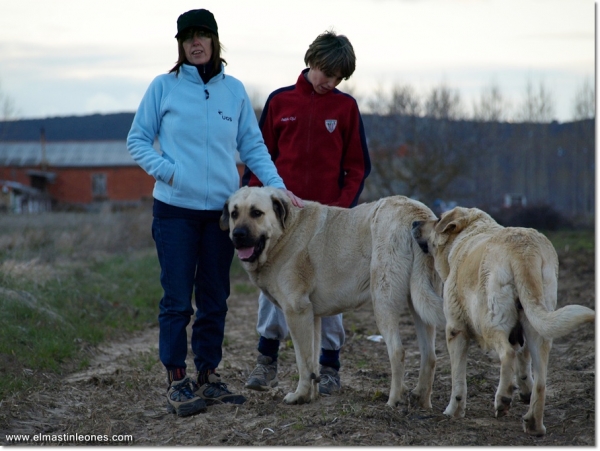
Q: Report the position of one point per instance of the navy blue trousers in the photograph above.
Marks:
(195, 258)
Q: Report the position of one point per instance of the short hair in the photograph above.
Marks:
(331, 54)
(216, 45)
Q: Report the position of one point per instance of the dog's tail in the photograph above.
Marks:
(528, 276)
(426, 288)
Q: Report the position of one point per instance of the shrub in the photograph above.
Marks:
(540, 217)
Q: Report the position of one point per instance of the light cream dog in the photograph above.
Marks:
(500, 287)
(320, 261)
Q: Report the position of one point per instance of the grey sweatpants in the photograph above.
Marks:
(271, 324)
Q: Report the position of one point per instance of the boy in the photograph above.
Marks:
(315, 136)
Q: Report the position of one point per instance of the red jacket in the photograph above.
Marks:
(317, 142)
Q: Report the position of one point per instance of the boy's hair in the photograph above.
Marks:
(331, 54)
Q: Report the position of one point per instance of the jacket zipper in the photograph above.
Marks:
(310, 120)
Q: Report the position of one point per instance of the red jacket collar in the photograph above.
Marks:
(303, 84)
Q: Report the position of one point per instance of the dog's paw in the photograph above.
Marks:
(393, 402)
(525, 397)
(417, 399)
(455, 410)
(295, 398)
(502, 406)
(530, 427)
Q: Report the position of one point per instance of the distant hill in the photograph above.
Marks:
(103, 127)
(69, 128)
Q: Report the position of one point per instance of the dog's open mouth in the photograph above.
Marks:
(250, 254)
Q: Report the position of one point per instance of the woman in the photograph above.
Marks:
(201, 117)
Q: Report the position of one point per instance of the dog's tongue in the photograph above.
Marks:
(245, 252)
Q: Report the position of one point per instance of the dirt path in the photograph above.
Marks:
(122, 392)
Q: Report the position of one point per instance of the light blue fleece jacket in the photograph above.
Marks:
(199, 127)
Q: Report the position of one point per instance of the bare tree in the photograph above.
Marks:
(584, 105)
(7, 106)
(8, 112)
(416, 150)
(537, 106)
(378, 102)
(444, 102)
(492, 106)
(404, 101)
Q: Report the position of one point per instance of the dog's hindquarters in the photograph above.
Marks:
(535, 278)
(401, 274)
(536, 285)
(426, 288)
(427, 308)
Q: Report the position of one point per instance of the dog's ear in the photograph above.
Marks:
(281, 207)
(452, 222)
(224, 219)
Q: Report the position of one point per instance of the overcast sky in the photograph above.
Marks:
(78, 57)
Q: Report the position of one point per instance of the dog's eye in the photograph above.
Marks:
(234, 214)
(256, 213)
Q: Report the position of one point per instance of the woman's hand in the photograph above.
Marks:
(295, 199)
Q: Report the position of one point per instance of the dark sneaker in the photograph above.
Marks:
(216, 392)
(330, 381)
(264, 375)
(182, 400)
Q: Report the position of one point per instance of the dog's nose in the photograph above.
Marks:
(416, 224)
(240, 233)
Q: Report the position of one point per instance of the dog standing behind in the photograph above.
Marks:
(320, 261)
(500, 287)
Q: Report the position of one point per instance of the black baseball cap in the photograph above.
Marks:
(201, 18)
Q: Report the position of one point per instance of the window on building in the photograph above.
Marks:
(99, 190)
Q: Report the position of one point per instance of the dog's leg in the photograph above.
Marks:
(301, 324)
(387, 321)
(426, 338)
(390, 289)
(524, 379)
(539, 347)
(507, 354)
(316, 354)
(396, 353)
(458, 343)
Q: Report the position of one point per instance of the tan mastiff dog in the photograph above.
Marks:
(499, 288)
(320, 261)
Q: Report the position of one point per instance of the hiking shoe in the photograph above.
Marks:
(216, 392)
(330, 381)
(264, 375)
(182, 400)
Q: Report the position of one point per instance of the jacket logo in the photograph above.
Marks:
(330, 124)
(291, 118)
(225, 118)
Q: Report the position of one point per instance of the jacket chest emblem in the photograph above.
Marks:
(330, 124)
(224, 117)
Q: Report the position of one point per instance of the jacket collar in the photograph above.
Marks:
(191, 73)
(306, 87)
(303, 84)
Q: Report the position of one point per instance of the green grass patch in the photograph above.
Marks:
(44, 325)
(245, 288)
(572, 240)
(236, 269)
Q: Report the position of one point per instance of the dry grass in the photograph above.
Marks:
(51, 237)
(68, 281)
